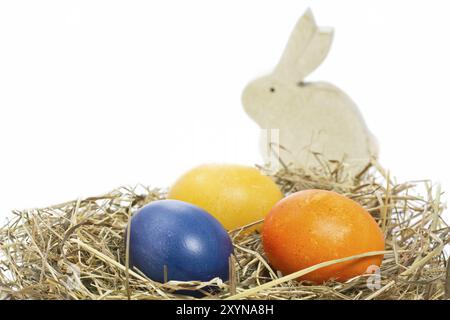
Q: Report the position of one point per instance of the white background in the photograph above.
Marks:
(97, 94)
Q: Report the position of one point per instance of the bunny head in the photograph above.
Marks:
(310, 117)
(307, 48)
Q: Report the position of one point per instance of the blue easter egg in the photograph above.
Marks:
(186, 239)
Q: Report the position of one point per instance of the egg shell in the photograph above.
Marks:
(236, 195)
(314, 226)
(186, 239)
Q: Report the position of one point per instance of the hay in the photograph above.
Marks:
(76, 250)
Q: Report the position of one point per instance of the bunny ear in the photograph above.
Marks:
(307, 48)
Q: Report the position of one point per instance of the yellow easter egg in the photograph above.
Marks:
(235, 195)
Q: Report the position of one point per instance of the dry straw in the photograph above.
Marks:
(76, 250)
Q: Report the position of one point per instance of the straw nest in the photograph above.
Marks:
(76, 250)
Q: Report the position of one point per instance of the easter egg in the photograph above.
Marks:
(236, 195)
(314, 226)
(185, 240)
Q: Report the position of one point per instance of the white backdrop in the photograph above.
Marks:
(97, 94)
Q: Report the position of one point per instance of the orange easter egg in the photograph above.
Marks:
(314, 226)
(235, 195)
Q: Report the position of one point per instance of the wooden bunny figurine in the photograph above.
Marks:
(307, 118)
